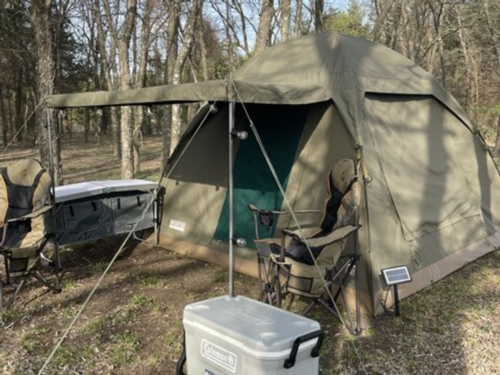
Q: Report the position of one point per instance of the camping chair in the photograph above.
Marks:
(24, 190)
(292, 269)
(266, 218)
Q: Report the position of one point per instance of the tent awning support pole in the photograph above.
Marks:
(52, 201)
(231, 200)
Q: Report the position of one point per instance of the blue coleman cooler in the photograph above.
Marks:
(237, 335)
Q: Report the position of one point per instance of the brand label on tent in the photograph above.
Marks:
(218, 355)
(177, 225)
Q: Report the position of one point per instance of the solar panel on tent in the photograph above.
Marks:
(396, 275)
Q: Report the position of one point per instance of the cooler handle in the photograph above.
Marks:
(290, 362)
(182, 360)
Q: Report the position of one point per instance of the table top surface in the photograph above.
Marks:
(92, 188)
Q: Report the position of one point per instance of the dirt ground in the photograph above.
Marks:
(133, 324)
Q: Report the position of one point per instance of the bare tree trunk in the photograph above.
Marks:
(141, 82)
(172, 53)
(114, 113)
(3, 118)
(285, 10)
(230, 34)
(437, 11)
(494, 35)
(8, 117)
(107, 69)
(318, 15)
(17, 104)
(203, 50)
(465, 52)
(41, 19)
(26, 112)
(264, 30)
(175, 131)
(382, 10)
(243, 20)
(122, 40)
(125, 84)
(298, 17)
(65, 124)
(495, 40)
(86, 125)
(496, 151)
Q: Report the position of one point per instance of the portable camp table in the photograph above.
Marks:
(90, 210)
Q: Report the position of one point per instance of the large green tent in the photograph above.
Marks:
(431, 196)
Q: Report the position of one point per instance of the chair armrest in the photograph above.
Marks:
(276, 259)
(267, 241)
(284, 212)
(292, 233)
(31, 215)
(334, 236)
(262, 217)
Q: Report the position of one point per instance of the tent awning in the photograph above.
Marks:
(169, 94)
(209, 91)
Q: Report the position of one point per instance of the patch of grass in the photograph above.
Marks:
(80, 246)
(99, 267)
(28, 341)
(220, 277)
(129, 314)
(150, 154)
(173, 338)
(125, 350)
(64, 357)
(68, 311)
(151, 281)
(141, 301)
(96, 326)
(72, 169)
(147, 279)
(191, 297)
(154, 360)
(28, 338)
(9, 315)
(41, 329)
(156, 306)
(148, 175)
(68, 355)
(68, 284)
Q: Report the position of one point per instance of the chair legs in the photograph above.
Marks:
(54, 288)
(22, 282)
(268, 282)
(13, 297)
(272, 288)
(342, 275)
(336, 283)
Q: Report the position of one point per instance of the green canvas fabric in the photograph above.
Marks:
(280, 129)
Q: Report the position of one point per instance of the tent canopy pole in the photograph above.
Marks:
(52, 199)
(231, 198)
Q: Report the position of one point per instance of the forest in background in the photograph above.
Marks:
(61, 46)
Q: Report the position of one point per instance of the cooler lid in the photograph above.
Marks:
(89, 189)
(258, 326)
